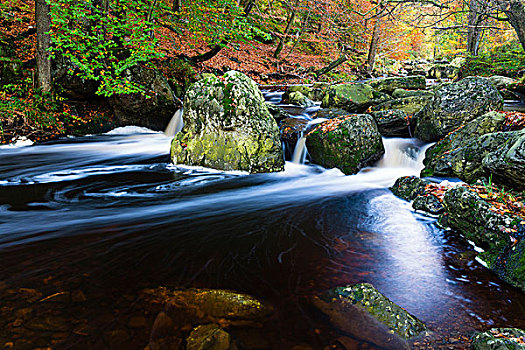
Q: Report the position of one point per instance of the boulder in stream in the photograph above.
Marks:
(363, 312)
(348, 143)
(298, 99)
(392, 123)
(227, 126)
(389, 85)
(409, 187)
(410, 105)
(456, 104)
(354, 97)
(499, 339)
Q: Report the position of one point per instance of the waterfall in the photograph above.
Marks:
(175, 125)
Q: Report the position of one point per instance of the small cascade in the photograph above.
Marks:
(403, 153)
(299, 152)
(175, 125)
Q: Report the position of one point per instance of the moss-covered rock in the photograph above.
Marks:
(277, 112)
(155, 111)
(392, 123)
(409, 187)
(362, 311)
(389, 85)
(429, 204)
(314, 93)
(507, 162)
(351, 97)
(401, 93)
(348, 143)
(227, 126)
(410, 105)
(499, 339)
(461, 152)
(456, 104)
(298, 99)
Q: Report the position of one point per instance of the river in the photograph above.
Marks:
(98, 218)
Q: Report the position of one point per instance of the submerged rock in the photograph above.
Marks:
(208, 337)
(363, 312)
(389, 85)
(153, 111)
(499, 339)
(356, 97)
(348, 143)
(392, 123)
(456, 104)
(227, 126)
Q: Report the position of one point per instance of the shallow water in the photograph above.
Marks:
(108, 215)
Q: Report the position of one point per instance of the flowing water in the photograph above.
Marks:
(99, 218)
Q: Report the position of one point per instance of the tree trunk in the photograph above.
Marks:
(474, 32)
(279, 48)
(43, 42)
(332, 65)
(374, 43)
(515, 11)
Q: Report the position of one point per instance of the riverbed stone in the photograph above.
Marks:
(277, 112)
(208, 337)
(154, 110)
(409, 187)
(392, 123)
(362, 311)
(389, 85)
(499, 339)
(354, 98)
(228, 126)
(456, 104)
(461, 152)
(410, 105)
(314, 93)
(298, 99)
(428, 203)
(348, 143)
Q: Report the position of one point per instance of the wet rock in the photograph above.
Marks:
(429, 204)
(213, 305)
(461, 152)
(499, 339)
(350, 97)
(329, 113)
(153, 111)
(348, 143)
(227, 126)
(410, 105)
(507, 162)
(456, 104)
(363, 312)
(392, 123)
(401, 93)
(409, 187)
(298, 99)
(277, 112)
(208, 337)
(291, 130)
(388, 85)
(314, 93)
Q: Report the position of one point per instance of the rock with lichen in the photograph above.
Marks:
(499, 339)
(227, 126)
(363, 312)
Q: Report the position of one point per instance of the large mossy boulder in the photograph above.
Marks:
(507, 162)
(153, 110)
(392, 123)
(227, 126)
(410, 105)
(456, 104)
(354, 98)
(499, 339)
(362, 311)
(389, 85)
(460, 153)
(348, 143)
